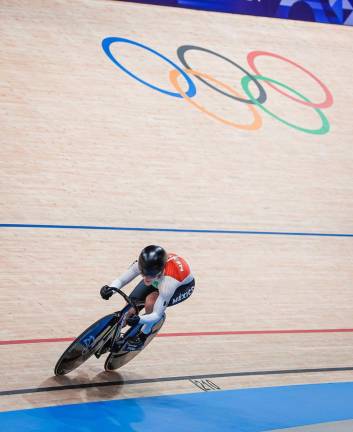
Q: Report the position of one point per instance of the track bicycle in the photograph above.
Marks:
(106, 336)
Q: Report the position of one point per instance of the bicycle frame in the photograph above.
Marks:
(120, 322)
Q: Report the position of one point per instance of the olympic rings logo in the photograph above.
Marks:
(252, 102)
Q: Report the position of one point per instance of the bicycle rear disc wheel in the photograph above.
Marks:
(120, 358)
(85, 345)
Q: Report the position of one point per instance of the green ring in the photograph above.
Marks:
(325, 123)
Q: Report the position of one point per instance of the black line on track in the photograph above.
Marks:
(173, 378)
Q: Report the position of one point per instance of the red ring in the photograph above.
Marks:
(325, 104)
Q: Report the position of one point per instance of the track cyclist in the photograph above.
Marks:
(167, 281)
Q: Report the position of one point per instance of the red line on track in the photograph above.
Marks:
(214, 333)
(31, 341)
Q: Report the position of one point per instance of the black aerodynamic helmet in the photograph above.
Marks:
(152, 260)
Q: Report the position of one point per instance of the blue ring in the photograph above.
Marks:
(106, 47)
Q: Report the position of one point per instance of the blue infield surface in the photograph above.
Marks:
(245, 410)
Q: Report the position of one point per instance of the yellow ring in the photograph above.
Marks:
(175, 74)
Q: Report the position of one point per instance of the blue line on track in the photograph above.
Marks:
(175, 230)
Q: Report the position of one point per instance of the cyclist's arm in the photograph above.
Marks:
(126, 277)
(166, 291)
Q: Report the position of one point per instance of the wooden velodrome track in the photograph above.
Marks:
(85, 145)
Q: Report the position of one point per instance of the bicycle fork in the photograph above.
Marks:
(108, 341)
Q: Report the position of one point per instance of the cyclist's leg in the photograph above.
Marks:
(181, 294)
(141, 293)
(150, 301)
(149, 295)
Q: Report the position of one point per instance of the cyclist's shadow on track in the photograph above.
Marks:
(108, 415)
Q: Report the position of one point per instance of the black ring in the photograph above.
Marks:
(181, 54)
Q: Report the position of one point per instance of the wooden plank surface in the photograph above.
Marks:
(84, 144)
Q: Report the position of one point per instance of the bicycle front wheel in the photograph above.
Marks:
(85, 345)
